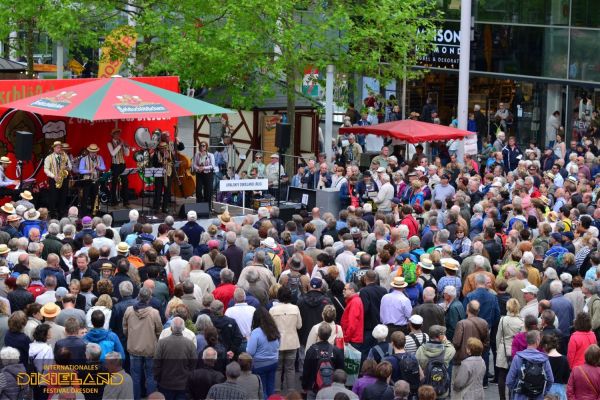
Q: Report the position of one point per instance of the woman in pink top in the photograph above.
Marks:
(580, 340)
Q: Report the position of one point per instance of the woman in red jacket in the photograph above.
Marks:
(580, 340)
(584, 382)
(354, 315)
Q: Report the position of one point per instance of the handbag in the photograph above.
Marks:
(508, 359)
(339, 341)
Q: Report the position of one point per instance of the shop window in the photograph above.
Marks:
(585, 13)
(541, 12)
(584, 64)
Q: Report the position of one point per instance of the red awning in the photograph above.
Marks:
(410, 131)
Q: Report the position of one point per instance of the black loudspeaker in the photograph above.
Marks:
(283, 133)
(120, 217)
(201, 210)
(23, 145)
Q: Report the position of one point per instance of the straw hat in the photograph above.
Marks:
(115, 131)
(269, 242)
(5, 160)
(107, 266)
(399, 283)
(225, 217)
(13, 218)
(426, 263)
(8, 208)
(93, 148)
(4, 249)
(26, 195)
(122, 247)
(66, 146)
(50, 310)
(57, 143)
(450, 263)
(31, 215)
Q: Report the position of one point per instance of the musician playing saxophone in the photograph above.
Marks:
(90, 167)
(56, 166)
(164, 157)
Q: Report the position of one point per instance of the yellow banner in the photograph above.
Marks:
(116, 48)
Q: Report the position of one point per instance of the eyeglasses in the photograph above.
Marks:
(202, 145)
(259, 158)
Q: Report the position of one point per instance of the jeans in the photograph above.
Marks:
(285, 371)
(141, 367)
(173, 394)
(267, 377)
(486, 359)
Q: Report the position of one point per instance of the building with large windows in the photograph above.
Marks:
(536, 56)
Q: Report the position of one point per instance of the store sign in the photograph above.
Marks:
(238, 185)
(446, 50)
(471, 145)
(310, 82)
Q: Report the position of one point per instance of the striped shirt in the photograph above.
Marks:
(411, 346)
(226, 390)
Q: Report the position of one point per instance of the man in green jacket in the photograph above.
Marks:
(454, 310)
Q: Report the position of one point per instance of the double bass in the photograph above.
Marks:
(184, 184)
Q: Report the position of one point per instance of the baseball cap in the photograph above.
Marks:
(530, 289)
(416, 319)
(316, 283)
(421, 169)
(86, 220)
(557, 236)
(380, 169)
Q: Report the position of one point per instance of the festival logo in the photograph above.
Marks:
(57, 102)
(129, 104)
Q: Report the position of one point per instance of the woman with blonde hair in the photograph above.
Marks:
(104, 304)
(328, 314)
(508, 326)
(467, 382)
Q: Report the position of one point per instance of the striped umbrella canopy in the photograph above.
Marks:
(115, 98)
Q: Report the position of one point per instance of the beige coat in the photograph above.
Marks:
(508, 327)
(288, 320)
(576, 298)
(142, 328)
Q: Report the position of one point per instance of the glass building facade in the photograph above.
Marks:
(536, 56)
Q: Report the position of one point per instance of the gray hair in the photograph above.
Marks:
(93, 352)
(299, 245)
(527, 258)
(177, 325)
(239, 295)
(556, 287)
(590, 285)
(233, 370)
(174, 249)
(230, 237)
(101, 229)
(69, 230)
(126, 288)
(53, 229)
(9, 355)
(451, 290)
(107, 220)
(216, 307)
(226, 275)
(480, 279)
(479, 261)
(550, 273)
(209, 354)
(202, 322)
(145, 295)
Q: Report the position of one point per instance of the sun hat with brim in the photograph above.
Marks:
(50, 310)
(31, 215)
(5, 160)
(274, 155)
(426, 264)
(398, 283)
(66, 146)
(269, 242)
(449, 263)
(107, 266)
(4, 249)
(26, 195)
(8, 208)
(549, 175)
(93, 148)
(225, 217)
(13, 218)
(57, 143)
(122, 247)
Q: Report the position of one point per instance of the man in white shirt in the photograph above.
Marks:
(49, 296)
(385, 194)
(176, 264)
(100, 240)
(346, 259)
(241, 312)
(198, 276)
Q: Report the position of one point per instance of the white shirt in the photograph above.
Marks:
(202, 280)
(242, 313)
(176, 266)
(104, 241)
(186, 334)
(48, 296)
(344, 261)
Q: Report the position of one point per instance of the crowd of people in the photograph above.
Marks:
(434, 281)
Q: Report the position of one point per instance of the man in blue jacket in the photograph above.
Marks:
(520, 382)
(107, 340)
(511, 154)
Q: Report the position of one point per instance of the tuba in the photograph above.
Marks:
(63, 173)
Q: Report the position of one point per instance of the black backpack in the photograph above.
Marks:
(414, 337)
(436, 375)
(408, 367)
(293, 283)
(428, 282)
(532, 379)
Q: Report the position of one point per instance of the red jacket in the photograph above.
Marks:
(224, 293)
(578, 344)
(353, 320)
(412, 224)
(579, 388)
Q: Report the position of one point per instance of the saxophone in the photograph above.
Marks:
(63, 173)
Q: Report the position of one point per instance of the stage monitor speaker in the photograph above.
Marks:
(283, 133)
(120, 217)
(201, 209)
(24, 145)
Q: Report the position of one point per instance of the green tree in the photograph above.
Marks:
(245, 47)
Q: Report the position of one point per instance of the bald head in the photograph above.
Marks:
(149, 284)
(428, 295)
